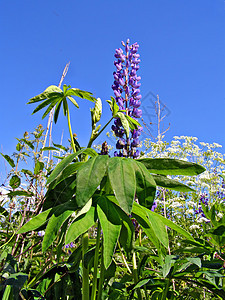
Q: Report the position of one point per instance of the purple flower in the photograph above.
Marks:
(127, 94)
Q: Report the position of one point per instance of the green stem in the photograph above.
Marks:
(101, 280)
(85, 279)
(70, 130)
(94, 138)
(166, 290)
(94, 286)
(135, 275)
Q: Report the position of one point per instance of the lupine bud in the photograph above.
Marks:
(96, 112)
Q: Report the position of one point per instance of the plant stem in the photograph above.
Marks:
(101, 280)
(135, 275)
(85, 279)
(70, 130)
(94, 138)
(94, 286)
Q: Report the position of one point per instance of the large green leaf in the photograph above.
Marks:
(80, 225)
(35, 222)
(171, 184)
(111, 226)
(122, 178)
(67, 160)
(68, 171)
(127, 237)
(89, 177)
(145, 185)
(61, 193)
(169, 166)
(60, 215)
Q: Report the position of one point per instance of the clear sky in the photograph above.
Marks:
(182, 49)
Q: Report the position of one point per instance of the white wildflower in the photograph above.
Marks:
(193, 227)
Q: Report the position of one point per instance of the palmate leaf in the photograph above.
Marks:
(111, 225)
(169, 166)
(46, 103)
(122, 178)
(57, 109)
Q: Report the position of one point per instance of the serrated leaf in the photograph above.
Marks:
(80, 225)
(89, 177)
(14, 182)
(171, 184)
(122, 178)
(9, 160)
(169, 166)
(111, 226)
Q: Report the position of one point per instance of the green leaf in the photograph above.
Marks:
(9, 160)
(68, 171)
(89, 177)
(60, 146)
(14, 182)
(65, 107)
(145, 185)
(49, 149)
(60, 215)
(195, 260)
(39, 166)
(28, 143)
(111, 226)
(140, 215)
(35, 222)
(61, 193)
(52, 90)
(132, 121)
(113, 106)
(45, 103)
(124, 122)
(28, 172)
(57, 109)
(159, 228)
(80, 225)
(169, 166)
(49, 108)
(122, 178)
(80, 93)
(169, 224)
(20, 193)
(219, 230)
(62, 165)
(73, 101)
(171, 184)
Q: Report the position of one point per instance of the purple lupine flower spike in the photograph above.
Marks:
(127, 94)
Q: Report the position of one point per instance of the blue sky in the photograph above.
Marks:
(182, 46)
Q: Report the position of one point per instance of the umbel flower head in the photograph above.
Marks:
(127, 94)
